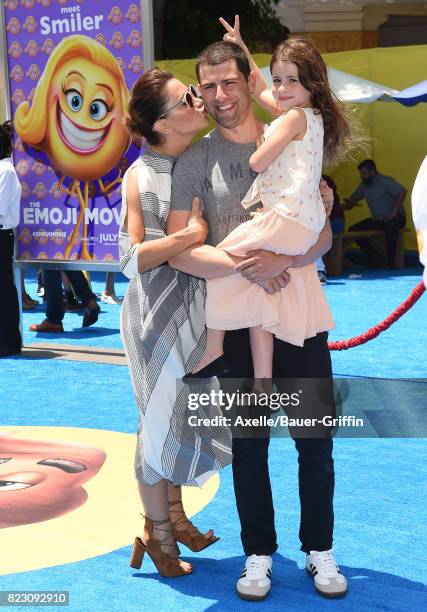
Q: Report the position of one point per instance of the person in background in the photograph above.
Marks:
(54, 304)
(10, 198)
(337, 222)
(385, 197)
(108, 296)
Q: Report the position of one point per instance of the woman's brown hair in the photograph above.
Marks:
(148, 101)
(313, 75)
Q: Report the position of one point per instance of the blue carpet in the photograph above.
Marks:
(380, 509)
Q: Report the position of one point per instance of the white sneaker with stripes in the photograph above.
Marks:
(255, 582)
(328, 579)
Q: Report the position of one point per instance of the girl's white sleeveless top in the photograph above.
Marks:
(290, 185)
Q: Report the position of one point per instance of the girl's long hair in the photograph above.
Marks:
(313, 75)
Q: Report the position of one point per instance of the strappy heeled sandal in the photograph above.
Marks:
(189, 535)
(168, 564)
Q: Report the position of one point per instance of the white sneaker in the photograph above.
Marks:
(110, 299)
(255, 582)
(328, 579)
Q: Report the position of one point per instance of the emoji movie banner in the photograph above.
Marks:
(71, 64)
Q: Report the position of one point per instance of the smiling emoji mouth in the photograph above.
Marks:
(77, 138)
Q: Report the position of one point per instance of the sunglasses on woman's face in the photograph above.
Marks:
(186, 100)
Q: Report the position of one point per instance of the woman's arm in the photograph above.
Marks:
(262, 93)
(156, 252)
(293, 124)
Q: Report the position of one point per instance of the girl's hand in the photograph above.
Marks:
(233, 33)
(196, 224)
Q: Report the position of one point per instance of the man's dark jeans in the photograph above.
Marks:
(250, 455)
(391, 231)
(53, 288)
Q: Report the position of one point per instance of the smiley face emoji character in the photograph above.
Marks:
(38, 167)
(48, 46)
(45, 3)
(101, 39)
(133, 13)
(40, 190)
(30, 24)
(117, 41)
(25, 190)
(121, 62)
(22, 167)
(12, 5)
(55, 191)
(18, 146)
(15, 49)
(32, 48)
(77, 113)
(25, 236)
(28, 4)
(134, 39)
(33, 72)
(17, 73)
(14, 27)
(18, 96)
(116, 15)
(136, 64)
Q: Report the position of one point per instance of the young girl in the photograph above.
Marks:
(311, 123)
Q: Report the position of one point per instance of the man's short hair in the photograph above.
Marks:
(369, 164)
(220, 52)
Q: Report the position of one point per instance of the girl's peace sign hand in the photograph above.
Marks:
(233, 33)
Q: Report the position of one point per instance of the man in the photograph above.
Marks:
(10, 198)
(216, 169)
(385, 198)
(55, 307)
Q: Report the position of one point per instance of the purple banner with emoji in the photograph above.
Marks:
(71, 64)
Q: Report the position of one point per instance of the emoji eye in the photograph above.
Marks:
(98, 110)
(74, 100)
(10, 485)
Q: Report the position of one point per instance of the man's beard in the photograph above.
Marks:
(368, 181)
(236, 120)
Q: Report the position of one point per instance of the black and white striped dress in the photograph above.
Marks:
(163, 332)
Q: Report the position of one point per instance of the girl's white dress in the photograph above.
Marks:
(292, 217)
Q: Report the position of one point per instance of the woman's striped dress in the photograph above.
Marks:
(163, 332)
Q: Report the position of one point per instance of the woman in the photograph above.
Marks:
(163, 324)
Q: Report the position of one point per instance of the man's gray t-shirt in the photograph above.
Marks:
(380, 195)
(217, 171)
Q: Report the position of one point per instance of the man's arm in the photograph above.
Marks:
(262, 265)
(399, 192)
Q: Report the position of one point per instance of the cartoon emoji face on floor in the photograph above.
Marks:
(48, 46)
(15, 49)
(32, 48)
(30, 24)
(33, 72)
(14, 27)
(77, 113)
(133, 13)
(17, 73)
(116, 15)
(117, 41)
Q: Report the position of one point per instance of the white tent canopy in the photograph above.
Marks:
(350, 88)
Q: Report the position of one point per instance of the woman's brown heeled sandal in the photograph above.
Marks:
(167, 564)
(189, 535)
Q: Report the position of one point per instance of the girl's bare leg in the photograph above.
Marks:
(214, 348)
(176, 509)
(262, 357)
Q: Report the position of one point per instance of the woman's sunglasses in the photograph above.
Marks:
(186, 100)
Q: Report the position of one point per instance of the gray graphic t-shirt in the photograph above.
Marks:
(217, 171)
